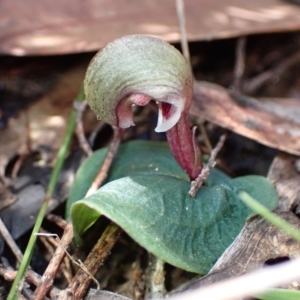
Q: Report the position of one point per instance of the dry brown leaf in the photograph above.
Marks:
(272, 122)
(48, 27)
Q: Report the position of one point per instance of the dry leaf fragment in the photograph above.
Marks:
(285, 177)
(59, 27)
(273, 123)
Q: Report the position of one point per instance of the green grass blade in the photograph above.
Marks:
(269, 216)
(279, 294)
(13, 294)
(274, 294)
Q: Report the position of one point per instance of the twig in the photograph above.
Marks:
(23, 152)
(52, 268)
(80, 108)
(65, 266)
(183, 37)
(10, 241)
(59, 221)
(239, 66)
(157, 279)
(198, 182)
(48, 244)
(108, 238)
(204, 135)
(113, 147)
(30, 277)
(49, 238)
(101, 250)
(67, 269)
(95, 132)
(255, 83)
(77, 263)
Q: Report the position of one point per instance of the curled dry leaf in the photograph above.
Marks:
(76, 26)
(274, 123)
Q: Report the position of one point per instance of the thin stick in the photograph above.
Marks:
(113, 148)
(59, 221)
(255, 83)
(80, 108)
(10, 241)
(198, 182)
(100, 251)
(95, 132)
(23, 152)
(77, 263)
(204, 136)
(30, 277)
(52, 268)
(48, 243)
(239, 66)
(183, 36)
(102, 248)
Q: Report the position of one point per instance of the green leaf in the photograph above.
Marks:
(133, 158)
(279, 294)
(157, 212)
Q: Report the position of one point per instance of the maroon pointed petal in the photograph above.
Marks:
(184, 147)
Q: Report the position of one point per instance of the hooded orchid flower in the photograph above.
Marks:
(134, 70)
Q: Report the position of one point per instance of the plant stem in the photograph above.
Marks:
(269, 216)
(14, 291)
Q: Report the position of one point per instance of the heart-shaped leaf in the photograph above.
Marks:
(152, 205)
(134, 158)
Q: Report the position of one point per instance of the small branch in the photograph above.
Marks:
(30, 277)
(112, 150)
(183, 36)
(53, 266)
(79, 284)
(95, 132)
(255, 83)
(239, 66)
(23, 152)
(80, 108)
(47, 242)
(198, 182)
(101, 250)
(10, 241)
(204, 135)
(60, 222)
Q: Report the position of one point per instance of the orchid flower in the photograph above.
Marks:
(135, 69)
